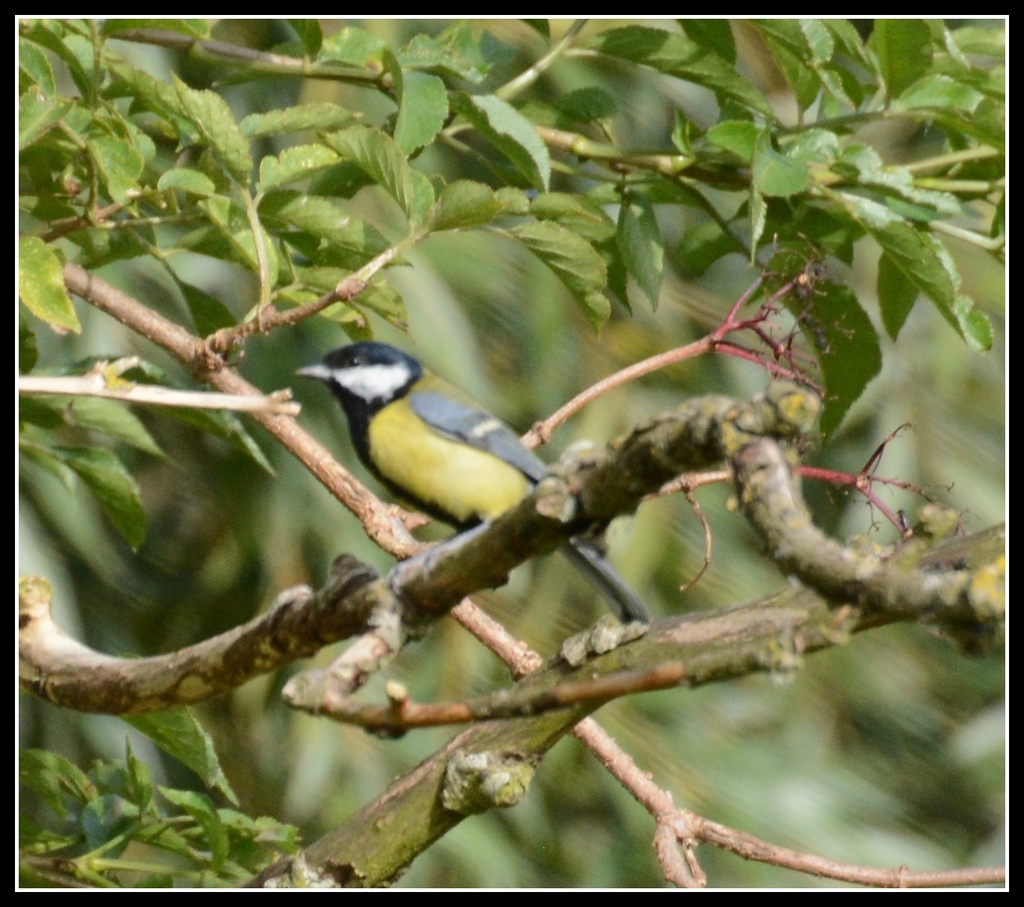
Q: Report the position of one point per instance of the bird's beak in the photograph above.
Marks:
(319, 371)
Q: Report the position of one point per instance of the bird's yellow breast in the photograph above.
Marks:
(447, 477)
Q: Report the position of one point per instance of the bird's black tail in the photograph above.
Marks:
(586, 557)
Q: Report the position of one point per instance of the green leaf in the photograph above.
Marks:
(455, 51)
(320, 117)
(576, 263)
(37, 115)
(904, 51)
(59, 783)
(216, 125)
(309, 33)
(41, 285)
(927, 265)
(235, 229)
(851, 356)
(939, 92)
(586, 105)
(896, 295)
(639, 241)
(352, 45)
(422, 106)
(35, 66)
(209, 314)
(584, 216)
(293, 164)
(678, 55)
(187, 180)
(714, 34)
(120, 166)
(776, 175)
(179, 735)
(200, 808)
(110, 417)
(379, 158)
(195, 28)
(510, 132)
(112, 485)
(464, 204)
(738, 136)
(322, 219)
(788, 43)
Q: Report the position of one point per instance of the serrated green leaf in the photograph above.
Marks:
(788, 44)
(939, 92)
(120, 166)
(36, 67)
(464, 204)
(927, 265)
(379, 158)
(975, 325)
(639, 241)
(851, 356)
(37, 115)
(515, 201)
(455, 51)
(216, 125)
(584, 216)
(179, 735)
(849, 40)
(41, 285)
(113, 487)
(714, 34)
(296, 163)
(576, 263)
(678, 55)
(321, 117)
(322, 219)
(187, 180)
(510, 132)
(820, 40)
(904, 51)
(422, 105)
(776, 175)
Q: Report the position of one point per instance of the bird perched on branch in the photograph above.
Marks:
(431, 445)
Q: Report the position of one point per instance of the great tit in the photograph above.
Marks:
(434, 447)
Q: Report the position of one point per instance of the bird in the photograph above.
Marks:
(431, 445)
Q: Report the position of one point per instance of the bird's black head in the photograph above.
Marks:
(366, 375)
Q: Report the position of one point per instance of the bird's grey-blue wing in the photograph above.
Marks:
(472, 426)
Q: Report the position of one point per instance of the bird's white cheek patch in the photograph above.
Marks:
(373, 382)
